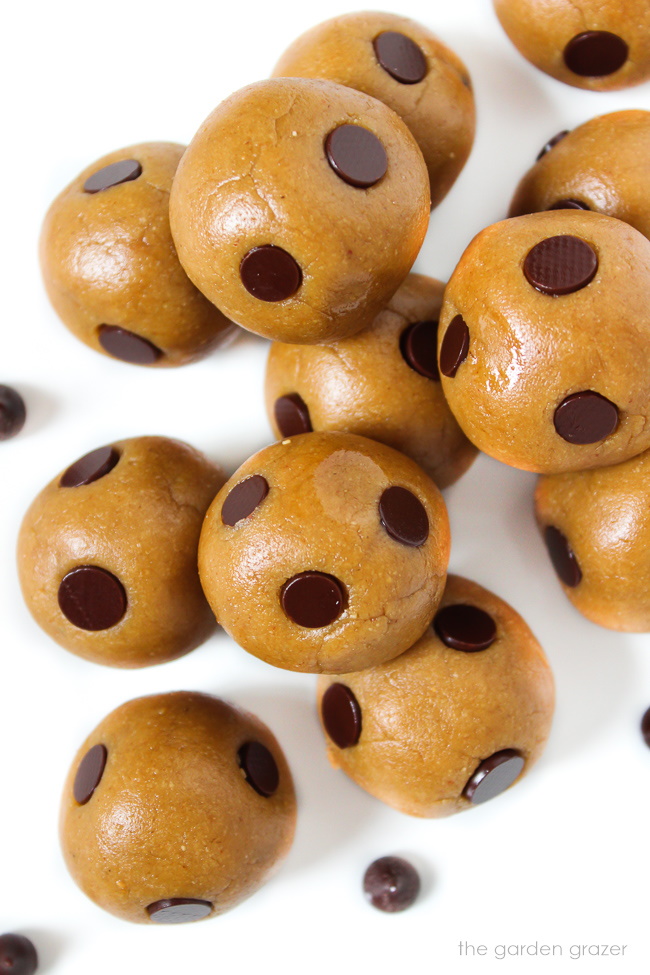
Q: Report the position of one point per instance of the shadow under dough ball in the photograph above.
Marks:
(455, 720)
(299, 208)
(176, 808)
(603, 45)
(325, 553)
(110, 266)
(107, 553)
(383, 384)
(543, 341)
(405, 66)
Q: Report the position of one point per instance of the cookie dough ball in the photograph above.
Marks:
(107, 553)
(326, 552)
(176, 808)
(452, 722)
(383, 384)
(544, 338)
(405, 66)
(110, 266)
(596, 527)
(602, 165)
(300, 207)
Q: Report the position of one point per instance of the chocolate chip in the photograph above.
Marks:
(17, 955)
(568, 205)
(400, 57)
(177, 910)
(270, 273)
(259, 767)
(595, 53)
(356, 155)
(118, 172)
(244, 498)
(341, 715)
(562, 556)
(455, 346)
(586, 417)
(419, 346)
(92, 598)
(90, 467)
(560, 265)
(12, 412)
(89, 774)
(313, 599)
(645, 727)
(404, 516)
(127, 346)
(391, 884)
(551, 142)
(465, 627)
(292, 415)
(494, 776)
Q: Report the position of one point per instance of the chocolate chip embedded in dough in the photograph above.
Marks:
(585, 418)
(127, 346)
(455, 346)
(551, 143)
(259, 767)
(465, 627)
(562, 557)
(400, 57)
(404, 516)
(356, 155)
(89, 774)
(313, 599)
(244, 498)
(292, 415)
(92, 598)
(118, 172)
(270, 273)
(494, 775)
(419, 345)
(595, 53)
(177, 910)
(560, 265)
(341, 715)
(91, 467)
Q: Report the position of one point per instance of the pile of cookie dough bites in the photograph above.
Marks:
(297, 212)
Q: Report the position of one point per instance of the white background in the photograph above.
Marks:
(560, 859)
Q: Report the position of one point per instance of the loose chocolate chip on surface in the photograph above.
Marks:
(341, 715)
(404, 516)
(92, 598)
(562, 556)
(244, 498)
(292, 415)
(494, 775)
(401, 57)
(595, 53)
(270, 273)
(127, 346)
(259, 767)
(569, 205)
(645, 727)
(91, 467)
(391, 884)
(465, 627)
(585, 418)
(118, 172)
(177, 910)
(17, 955)
(551, 142)
(356, 155)
(12, 412)
(560, 265)
(89, 774)
(455, 346)
(419, 347)
(313, 599)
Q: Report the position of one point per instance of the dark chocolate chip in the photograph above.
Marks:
(118, 172)
(313, 599)
(127, 346)
(465, 627)
(259, 767)
(356, 155)
(551, 142)
(341, 715)
(645, 727)
(401, 57)
(92, 598)
(12, 412)
(391, 884)
(404, 516)
(560, 265)
(494, 775)
(292, 415)
(568, 205)
(244, 498)
(89, 774)
(177, 910)
(585, 418)
(17, 955)
(419, 346)
(270, 273)
(90, 467)
(455, 346)
(562, 556)
(595, 53)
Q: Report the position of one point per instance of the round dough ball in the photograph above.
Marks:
(177, 807)
(405, 66)
(111, 269)
(300, 207)
(596, 526)
(453, 721)
(544, 341)
(383, 384)
(602, 165)
(603, 45)
(107, 553)
(325, 553)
